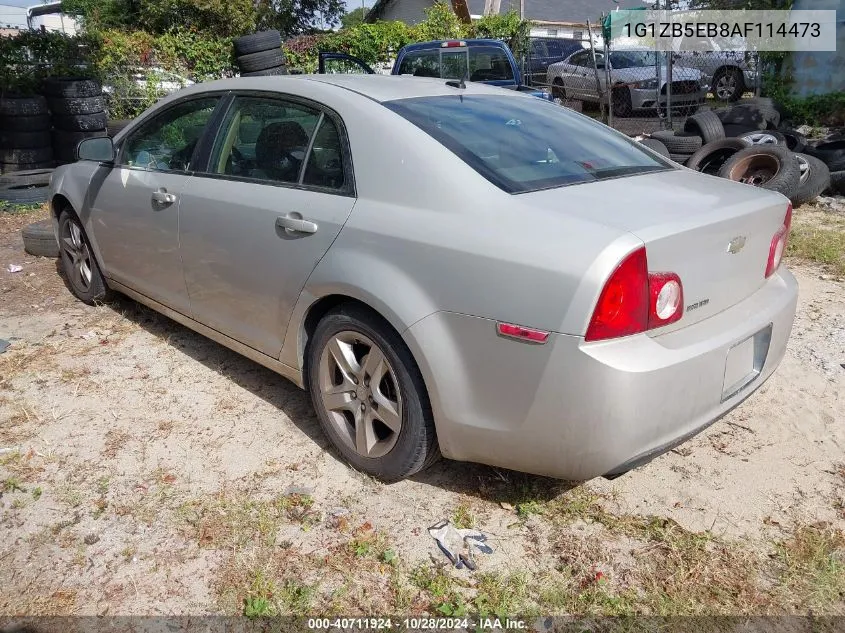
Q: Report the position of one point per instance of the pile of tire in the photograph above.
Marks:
(745, 143)
(25, 143)
(260, 54)
(78, 112)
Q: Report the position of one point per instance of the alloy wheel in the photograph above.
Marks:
(77, 255)
(726, 86)
(360, 392)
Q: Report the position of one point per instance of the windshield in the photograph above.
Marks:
(523, 144)
(632, 59)
(476, 63)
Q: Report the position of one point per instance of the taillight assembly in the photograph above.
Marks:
(778, 246)
(634, 300)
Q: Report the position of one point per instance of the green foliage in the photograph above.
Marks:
(26, 59)
(505, 26)
(353, 18)
(816, 110)
(440, 23)
(295, 17)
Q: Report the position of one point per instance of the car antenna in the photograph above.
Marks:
(459, 84)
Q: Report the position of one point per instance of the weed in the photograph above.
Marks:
(12, 484)
(36, 493)
(819, 237)
(463, 517)
(501, 596)
(812, 567)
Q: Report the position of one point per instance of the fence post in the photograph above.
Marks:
(670, 62)
(596, 69)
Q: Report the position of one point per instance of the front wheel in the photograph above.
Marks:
(728, 85)
(78, 263)
(622, 106)
(558, 89)
(369, 394)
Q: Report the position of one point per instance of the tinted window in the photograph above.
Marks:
(167, 142)
(580, 59)
(325, 162)
(479, 63)
(421, 64)
(265, 139)
(632, 59)
(489, 63)
(524, 144)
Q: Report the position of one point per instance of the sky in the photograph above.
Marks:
(12, 11)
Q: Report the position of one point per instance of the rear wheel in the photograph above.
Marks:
(80, 267)
(369, 394)
(558, 89)
(728, 84)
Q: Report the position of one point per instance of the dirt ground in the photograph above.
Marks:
(147, 470)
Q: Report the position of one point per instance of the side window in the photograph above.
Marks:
(167, 142)
(421, 64)
(325, 163)
(555, 49)
(489, 64)
(579, 59)
(265, 139)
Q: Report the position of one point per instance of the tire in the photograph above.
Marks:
(86, 105)
(261, 60)
(681, 159)
(679, 143)
(734, 130)
(29, 155)
(12, 168)
(33, 123)
(622, 106)
(558, 89)
(80, 122)
(72, 87)
(710, 158)
(257, 42)
(795, 141)
(22, 193)
(655, 145)
(707, 125)
(24, 140)
(39, 239)
(728, 85)
(837, 182)
(754, 116)
(767, 166)
(23, 106)
(26, 178)
(814, 179)
(398, 454)
(269, 72)
(63, 138)
(767, 137)
(116, 126)
(830, 153)
(95, 290)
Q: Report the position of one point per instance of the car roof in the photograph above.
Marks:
(439, 43)
(376, 87)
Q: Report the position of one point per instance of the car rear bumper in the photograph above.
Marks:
(577, 410)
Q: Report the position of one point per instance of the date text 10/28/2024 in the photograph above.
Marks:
(418, 624)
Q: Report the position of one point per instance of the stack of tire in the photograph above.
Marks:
(78, 112)
(260, 54)
(743, 143)
(24, 134)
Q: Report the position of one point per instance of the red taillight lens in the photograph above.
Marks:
(666, 299)
(523, 333)
(622, 308)
(778, 245)
(634, 300)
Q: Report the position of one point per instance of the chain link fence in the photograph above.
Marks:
(638, 90)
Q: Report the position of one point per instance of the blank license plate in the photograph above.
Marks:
(745, 361)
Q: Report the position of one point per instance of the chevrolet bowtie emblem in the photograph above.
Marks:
(736, 245)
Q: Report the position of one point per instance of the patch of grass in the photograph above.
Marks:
(818, 237)
(441, 590)
(36, 493)
(12, 484)
(463, 517)
(812, 568)
(502, 596)
(69, 495)
(369, 543)
(20, 208)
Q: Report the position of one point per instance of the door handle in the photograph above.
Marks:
(294, 223)
(162, 197)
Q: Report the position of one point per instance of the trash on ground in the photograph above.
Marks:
(459, 545)
(14, 268)
(4, 345)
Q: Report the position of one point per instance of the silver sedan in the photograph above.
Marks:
(448, 269)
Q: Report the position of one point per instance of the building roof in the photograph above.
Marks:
(562, 11)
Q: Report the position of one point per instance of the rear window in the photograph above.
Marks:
(478, 63)
(523, 144)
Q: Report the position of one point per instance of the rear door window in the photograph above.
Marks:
(421, 64)
(489, 63)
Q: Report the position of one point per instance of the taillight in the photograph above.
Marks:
(778, 246)
(634, 300)
(523, 333)
(453, 44)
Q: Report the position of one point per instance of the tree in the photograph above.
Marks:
(293, 17)
(353, 18)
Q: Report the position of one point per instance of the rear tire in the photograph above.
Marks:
(78, 263)
(769, 167)
(728, 85)
(39, 239)
(387, 429)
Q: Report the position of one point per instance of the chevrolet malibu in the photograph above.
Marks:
(447, 268)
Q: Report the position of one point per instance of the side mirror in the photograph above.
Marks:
(100, 149)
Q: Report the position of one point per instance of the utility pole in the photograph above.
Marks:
(521, 9)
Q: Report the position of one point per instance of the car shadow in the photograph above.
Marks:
(469, 479)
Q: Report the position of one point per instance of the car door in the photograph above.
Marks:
(277, 187)
(135, 203)
(573, 75)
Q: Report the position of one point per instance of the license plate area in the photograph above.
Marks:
(745, 361)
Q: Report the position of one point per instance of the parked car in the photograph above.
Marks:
(545, 51)
(139, 81)
(725, 65)
(447, 269)
(633, 78)
(479, 60)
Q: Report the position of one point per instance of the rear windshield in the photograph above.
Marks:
(477, 63)
(523, 144)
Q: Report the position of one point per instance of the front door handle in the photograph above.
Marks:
(162, 197)
(294, 223)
